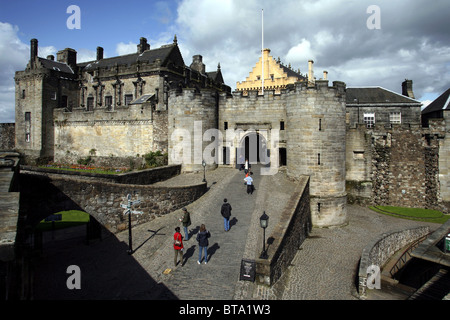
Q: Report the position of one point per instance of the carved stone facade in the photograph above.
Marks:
(114, 107)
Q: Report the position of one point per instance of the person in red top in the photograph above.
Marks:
(178, 245)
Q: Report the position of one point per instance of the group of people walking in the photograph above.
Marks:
(202, 239)
(203, 235)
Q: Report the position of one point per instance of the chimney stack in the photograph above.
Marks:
(99, 53)
(33, 51)
(143, 45)
(407, 88)
(310, 71)
(197, 64)
(51, 57)
(69, 57)
(325, 75)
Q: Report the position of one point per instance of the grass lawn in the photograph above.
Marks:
(412, 213)
(68, 219)
(83, 168)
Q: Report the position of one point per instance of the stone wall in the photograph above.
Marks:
(7, 136)
(396, 166)
(44, 193)
(191, 114)
(123, 132)
(141, 177)
(292, 229)
(253, 112)
(316, 136)
(378, 251)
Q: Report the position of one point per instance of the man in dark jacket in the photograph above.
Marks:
(226, 214)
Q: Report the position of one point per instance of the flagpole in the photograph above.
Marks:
(262, 50)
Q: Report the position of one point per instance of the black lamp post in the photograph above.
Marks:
(204, 170)
(264, 222)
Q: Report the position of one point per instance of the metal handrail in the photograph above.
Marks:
(406, 255)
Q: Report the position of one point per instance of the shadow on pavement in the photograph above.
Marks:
(107, 271)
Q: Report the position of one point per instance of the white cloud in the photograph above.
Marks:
(300, 53)
(84, 55)
(126, 48)
(14, 55)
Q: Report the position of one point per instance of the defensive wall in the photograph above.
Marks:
(399, 165)
(44, 193)
(9, 220)
(306, 121)
(292, 229)
(120, 134)
(7, 136)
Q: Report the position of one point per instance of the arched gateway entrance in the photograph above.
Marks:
(253, 146)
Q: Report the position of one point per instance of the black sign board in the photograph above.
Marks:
(248, 270)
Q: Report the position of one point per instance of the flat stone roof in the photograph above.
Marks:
(432, 249)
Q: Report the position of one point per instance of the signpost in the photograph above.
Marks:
(128, 211)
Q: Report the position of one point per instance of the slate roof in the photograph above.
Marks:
(55, 65)
(441, 103)
(376, 96)
(150, 56)
(291, 73)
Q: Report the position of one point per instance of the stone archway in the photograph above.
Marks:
(253, 146)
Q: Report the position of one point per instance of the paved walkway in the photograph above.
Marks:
(324, 268)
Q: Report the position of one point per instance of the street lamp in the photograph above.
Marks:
(204, 170)
(264, 222)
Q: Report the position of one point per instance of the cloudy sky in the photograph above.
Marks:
(411, 39)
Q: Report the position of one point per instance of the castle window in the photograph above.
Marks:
(64, 102)
(27, 126)
(53, 97)
(225, 125)
(128, 99)
(395, 117)
(369, 119)
(90, 104)
(358, 155)
(23, 94)
(320, 124)
(318, 159)
(281, 125)
(108, 102)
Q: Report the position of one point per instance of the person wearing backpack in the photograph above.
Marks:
(226, 214)
(186, 221)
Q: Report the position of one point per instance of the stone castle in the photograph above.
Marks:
(367, 145)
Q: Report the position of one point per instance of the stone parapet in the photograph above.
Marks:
(378, 251)
(292, 229)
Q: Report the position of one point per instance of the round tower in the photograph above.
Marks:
(315, 147)
(192, 128)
